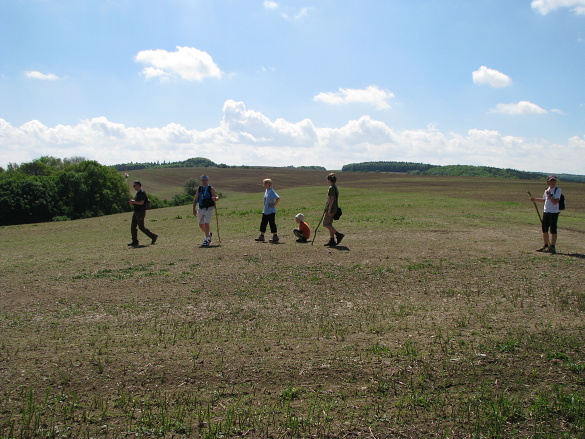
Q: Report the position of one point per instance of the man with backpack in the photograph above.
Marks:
(553, 199)
(140, 203)
(205, 199)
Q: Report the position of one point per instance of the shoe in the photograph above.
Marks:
(544, 249)
(260, 238)
(330, 243)
(154, 239)
(205, 243)
(209, 239)
(552, 249)
(133, 244)
(339, 237)
(302, 240)
(274, 239)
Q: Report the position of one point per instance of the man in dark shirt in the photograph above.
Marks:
(139, 203)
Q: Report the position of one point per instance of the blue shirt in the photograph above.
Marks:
(270, 197)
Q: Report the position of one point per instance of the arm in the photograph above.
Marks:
(214, 196)
(330, 205)
(195, 202)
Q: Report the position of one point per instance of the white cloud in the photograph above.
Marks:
(543, 7)
(43, 76)
(371, 95)
(288, 13)
(186, 63)
(249, 137)
(522, 107)
(491, 77)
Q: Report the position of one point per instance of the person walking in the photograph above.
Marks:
(139, 202)
(205, 198)
(271, 199)
(551, 199)
(330, 210)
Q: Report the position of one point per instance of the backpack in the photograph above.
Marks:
(338, 213)
(205, 197)
(147, 204)
(561, 201)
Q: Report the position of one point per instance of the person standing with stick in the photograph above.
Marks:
(205, 198)
(331, 208)
(551, 199)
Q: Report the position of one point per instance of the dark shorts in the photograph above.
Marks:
(550, 220)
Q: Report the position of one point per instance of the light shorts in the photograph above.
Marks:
(204, 215)
(328, 220)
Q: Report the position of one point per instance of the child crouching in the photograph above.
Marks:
(303, 232)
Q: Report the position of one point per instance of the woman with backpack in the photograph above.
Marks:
(552, 207)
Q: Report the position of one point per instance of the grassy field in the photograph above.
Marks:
(434, 318)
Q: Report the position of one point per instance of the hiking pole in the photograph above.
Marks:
(217, 223)
(315, 232)
(536, 207)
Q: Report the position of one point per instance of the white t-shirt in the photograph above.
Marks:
(549, 206)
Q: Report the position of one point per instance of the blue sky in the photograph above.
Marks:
(295, 82)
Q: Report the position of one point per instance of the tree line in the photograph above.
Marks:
(453, 170)
(49, 189)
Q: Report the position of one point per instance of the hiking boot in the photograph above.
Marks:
(330, 243)
(339, 237)
(133, 244)
(275, 239)
(552, 249)
(154, 238)
(544, 248)
(260, 238)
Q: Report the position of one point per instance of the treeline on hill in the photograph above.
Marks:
(53, 189)
(49, 188)
(453, 170)
(195, 162)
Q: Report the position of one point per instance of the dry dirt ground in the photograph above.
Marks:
(435, 317)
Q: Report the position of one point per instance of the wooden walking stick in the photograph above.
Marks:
(535, 206)
(315, 232)
(217, 223)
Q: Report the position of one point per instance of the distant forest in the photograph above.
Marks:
(195, 162)
(453, 170)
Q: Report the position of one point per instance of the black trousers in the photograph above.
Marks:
(266, 219)
(138, 222)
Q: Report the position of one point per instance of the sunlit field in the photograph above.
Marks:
(435, 317)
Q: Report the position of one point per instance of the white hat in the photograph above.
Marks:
(300, 217)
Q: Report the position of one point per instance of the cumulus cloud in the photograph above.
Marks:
(491, 77)
(270, 4)
(33, 74)
(543, 7)
(186, 63)
(248, 137)
(371, 95)
(522, 107)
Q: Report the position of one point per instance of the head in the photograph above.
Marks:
(551, 180)
(332, 178)
(300, 218)
(267, 182)
(204, 180)
(137, 185)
